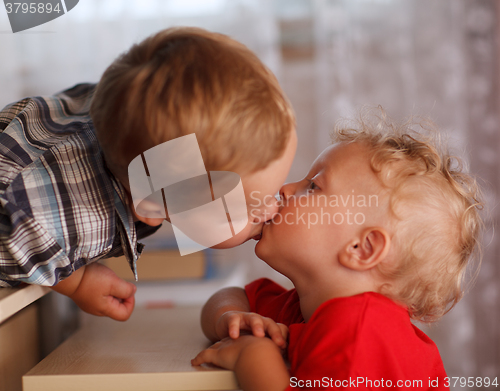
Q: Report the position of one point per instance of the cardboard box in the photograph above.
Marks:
(161, 265)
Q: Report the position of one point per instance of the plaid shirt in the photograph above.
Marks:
(60, 207)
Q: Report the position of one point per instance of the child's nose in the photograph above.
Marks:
(287, 191)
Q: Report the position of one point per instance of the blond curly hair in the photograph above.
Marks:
(435, 205)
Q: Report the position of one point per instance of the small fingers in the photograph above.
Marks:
(274, 332)
(204, 357)
(259, 326)
(256, 324)
(284, 330)
(121, 288)
(120, 309)
(284, 334)
(207, 356)
(233, 326)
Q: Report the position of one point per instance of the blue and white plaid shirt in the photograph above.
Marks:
(60, 207)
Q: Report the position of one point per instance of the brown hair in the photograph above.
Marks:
(188, 80)
(436, 208)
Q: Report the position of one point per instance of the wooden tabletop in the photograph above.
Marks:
(150, 351)
(13, 300)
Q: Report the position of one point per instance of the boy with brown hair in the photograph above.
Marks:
(378, 233)
(64, 191)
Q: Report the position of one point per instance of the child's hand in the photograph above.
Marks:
(230, 323)
(226, 352)
(101, 292)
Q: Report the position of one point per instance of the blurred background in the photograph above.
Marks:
(437, 58)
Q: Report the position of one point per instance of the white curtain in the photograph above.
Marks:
(429, 57)
(77, 47)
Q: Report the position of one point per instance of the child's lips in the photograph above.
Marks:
(259, 236)
(264, 226)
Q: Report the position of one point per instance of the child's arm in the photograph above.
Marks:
(257, 362)
(227, 299)
(96, 289)
(228, 311)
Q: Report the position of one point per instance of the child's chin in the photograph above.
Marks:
(259, 236)
(261, 250)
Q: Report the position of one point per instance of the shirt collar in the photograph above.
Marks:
(126, 227)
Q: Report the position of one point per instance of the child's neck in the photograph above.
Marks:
(314, 293)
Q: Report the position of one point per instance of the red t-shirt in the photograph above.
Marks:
(363, 342)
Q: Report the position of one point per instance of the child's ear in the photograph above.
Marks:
(367, 250)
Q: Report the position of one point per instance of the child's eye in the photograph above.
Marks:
(312, 186)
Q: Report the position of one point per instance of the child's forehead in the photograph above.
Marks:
(347, 162)
(343, 155)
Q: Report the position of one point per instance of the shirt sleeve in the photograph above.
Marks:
(9, 112)
(57, 209)
(273, 301)
(28, 253)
